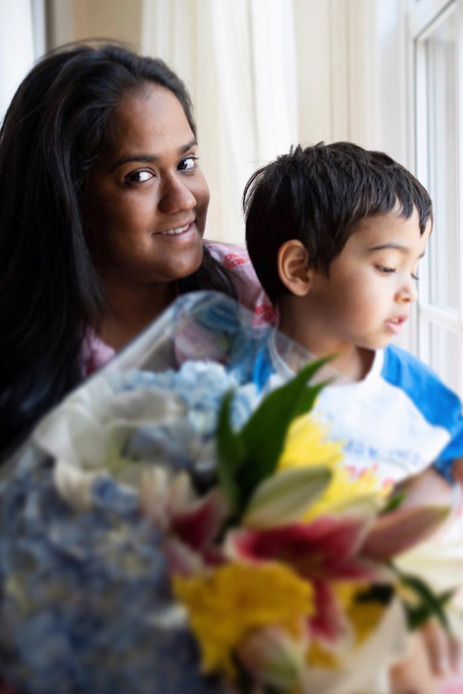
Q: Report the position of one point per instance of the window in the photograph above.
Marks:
(438, 50)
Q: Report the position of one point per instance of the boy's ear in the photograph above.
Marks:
(293, 267)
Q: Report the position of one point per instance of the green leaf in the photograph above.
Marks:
(307, 399)
(265, 432)
(430, 605)
(420, 614)
(230, 451)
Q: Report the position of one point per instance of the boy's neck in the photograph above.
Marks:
(350, 360)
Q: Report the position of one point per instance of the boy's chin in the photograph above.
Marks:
(380, 343)
(374, 344)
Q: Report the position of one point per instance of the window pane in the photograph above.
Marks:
(445, 355)
(441, 91)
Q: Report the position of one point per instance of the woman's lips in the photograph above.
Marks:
(176, 231)
(181, 234)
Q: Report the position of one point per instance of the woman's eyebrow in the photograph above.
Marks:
(147, 158)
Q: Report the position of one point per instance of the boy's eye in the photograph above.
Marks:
(188, 164)
(139, 176)
(385, 270)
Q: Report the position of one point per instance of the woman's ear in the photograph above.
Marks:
(293, 267)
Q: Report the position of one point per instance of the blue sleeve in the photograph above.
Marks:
(438, 404)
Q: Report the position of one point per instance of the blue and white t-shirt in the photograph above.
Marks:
(398, 420)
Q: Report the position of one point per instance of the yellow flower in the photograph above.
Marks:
(345, 490)
(237, 599)
(322, 658)
(307, 445)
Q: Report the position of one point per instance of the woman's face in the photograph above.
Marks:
(146, 200)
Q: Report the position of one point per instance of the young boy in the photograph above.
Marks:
(336, 234)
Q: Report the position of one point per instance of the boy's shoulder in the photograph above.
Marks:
(419, 382)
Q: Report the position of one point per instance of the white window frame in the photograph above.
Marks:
(424, 17)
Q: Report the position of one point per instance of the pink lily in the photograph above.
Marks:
(181, 559)
(329, 624)
(326, 549)
(323, 551)
(398, 531)
(192, 523)
(198, 524)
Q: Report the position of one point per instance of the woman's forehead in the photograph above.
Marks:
(149, 118)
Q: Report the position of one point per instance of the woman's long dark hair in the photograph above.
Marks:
(57, 126)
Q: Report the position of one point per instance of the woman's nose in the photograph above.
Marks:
(176, 197)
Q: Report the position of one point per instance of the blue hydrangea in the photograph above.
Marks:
(82, 593)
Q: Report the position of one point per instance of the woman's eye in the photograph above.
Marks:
(139, 176)
(385, 270)
(188, 164)
(415, 277)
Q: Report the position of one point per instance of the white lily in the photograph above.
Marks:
(285, 497)
(366, 667)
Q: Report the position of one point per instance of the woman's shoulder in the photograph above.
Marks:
(230, 256)
(236, 260)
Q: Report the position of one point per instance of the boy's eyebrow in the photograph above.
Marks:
(147, 158)
(394, 246)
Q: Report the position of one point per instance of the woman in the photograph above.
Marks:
(102, 213)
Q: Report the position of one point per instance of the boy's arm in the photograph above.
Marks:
(430, 487)
(438, 654)
(424, 671)
(457, 471)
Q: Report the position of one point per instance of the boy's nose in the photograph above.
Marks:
(176, 197)
(408, 293)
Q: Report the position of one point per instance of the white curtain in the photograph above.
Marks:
(16, 47)
(238, 60)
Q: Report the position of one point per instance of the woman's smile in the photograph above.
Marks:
(177, 231)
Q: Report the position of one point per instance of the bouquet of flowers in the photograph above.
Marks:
(169, 528)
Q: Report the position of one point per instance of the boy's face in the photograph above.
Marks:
(366, 298)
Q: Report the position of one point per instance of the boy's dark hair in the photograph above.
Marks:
(318, 195)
